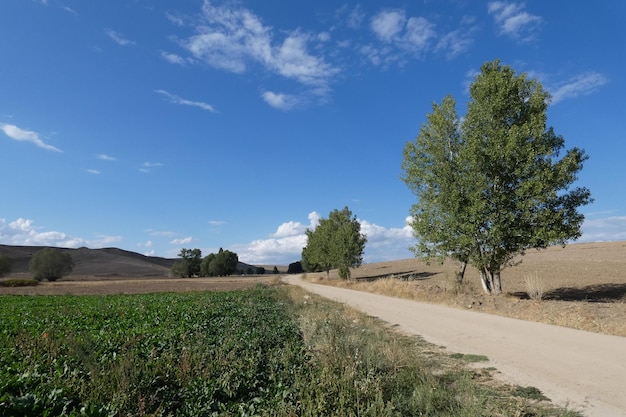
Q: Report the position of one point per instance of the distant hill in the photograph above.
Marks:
(100, 263)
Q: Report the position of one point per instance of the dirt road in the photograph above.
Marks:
(585, 371)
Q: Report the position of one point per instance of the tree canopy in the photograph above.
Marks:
(336, 242)
(493, 184)
(189, 265)
(51, 264)
(222, 263)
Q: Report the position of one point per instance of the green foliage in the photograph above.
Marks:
(50, 264)
(6, 265)
(189, 265)
(254, 352)
(336, 242)
(275, 270)
(491, 185)
(260, 270)
(159, 354)
(220, 264)
(19, 282)
(295, 268)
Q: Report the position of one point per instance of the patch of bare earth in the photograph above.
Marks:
(583, 286)
(91, 286)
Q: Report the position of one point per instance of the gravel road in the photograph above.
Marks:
(585, 371)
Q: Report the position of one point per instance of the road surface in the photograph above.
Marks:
(583, 370)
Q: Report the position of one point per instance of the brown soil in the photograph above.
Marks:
(90, 286)
(584, 286)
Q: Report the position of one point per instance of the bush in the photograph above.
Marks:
(6, 265)
(50, 264)
(534, 286)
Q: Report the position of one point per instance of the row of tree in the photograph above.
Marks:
(192, 264)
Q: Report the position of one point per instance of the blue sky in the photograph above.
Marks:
(154, 125)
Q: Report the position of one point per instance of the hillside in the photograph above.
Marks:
(99, 263)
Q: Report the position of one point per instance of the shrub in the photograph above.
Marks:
(51, 264)
(19, 282)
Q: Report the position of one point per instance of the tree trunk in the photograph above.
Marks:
(460, 274)
(485, 280)
(491, 281)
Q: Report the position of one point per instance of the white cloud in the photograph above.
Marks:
(105, 157)
(604, 229)
(93, 171)
(279, 100)
(231, 38)
(23, 232)
(216, 222)
(581, 85)
(179, 100)
(388, 24)
(18, 134)
(173, 58)
(147, 166)
(183, 241)
(118, 38)
(355, 18)
(513, 20)
(399, 36)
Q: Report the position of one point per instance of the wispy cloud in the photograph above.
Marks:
(147, 166)
(105, 157)
(183, 241)
(179, 100)
(18, 134)
(94, 171)
(173, 58)
(580, 85)
(216, 222)
(604, 229)
(118, 38)
(513, 20)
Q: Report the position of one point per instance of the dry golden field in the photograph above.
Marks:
(583, 285)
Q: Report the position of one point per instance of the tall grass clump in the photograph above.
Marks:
(534, 286)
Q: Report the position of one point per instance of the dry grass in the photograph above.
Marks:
(583, 285)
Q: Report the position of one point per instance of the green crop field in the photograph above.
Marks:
(265, 351)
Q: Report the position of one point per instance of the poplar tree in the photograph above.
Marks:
(493, 184)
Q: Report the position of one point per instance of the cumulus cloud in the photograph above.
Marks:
(23, 232)
(179, 100)
(22, 135)
(118, 38)
(231, 38)
(279, 100)
(513, 20)
(399, 36)
(580, 85)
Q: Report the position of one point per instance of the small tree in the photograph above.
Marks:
(50, 264)
(189, 265)
(336, 242)
(295, 268)
(492, 185)
(6, 265)
(275, 271)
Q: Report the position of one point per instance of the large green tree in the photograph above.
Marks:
(493, 184)
(336, 242)
(50, 264)
(222, 263)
